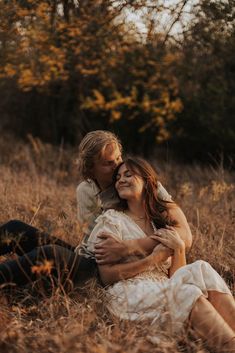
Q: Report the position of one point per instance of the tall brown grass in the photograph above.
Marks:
(37, 185)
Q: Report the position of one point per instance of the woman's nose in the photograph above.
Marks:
(121, 179)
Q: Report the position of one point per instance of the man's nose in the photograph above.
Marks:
(115, 164)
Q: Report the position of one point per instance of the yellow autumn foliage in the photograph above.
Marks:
(115, 115)
(88, 49)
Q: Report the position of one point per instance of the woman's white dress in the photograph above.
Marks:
(151, 294)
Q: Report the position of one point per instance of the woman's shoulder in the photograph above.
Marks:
(110, 215)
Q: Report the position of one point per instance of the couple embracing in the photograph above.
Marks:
(137, 237)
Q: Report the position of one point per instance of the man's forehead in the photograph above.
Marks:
(110, 152)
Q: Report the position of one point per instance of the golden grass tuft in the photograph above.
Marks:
(37, 185)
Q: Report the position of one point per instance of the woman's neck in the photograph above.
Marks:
(136, 209)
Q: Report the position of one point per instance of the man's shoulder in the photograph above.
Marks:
(87, 187)
(163, 193)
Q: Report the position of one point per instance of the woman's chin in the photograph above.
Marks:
(123, 195)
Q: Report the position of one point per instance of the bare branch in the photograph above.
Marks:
(175, 21)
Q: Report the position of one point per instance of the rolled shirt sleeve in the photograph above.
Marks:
(88, 205)
(108, 223)
(163, 194)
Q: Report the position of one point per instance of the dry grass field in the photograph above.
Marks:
(37, 185)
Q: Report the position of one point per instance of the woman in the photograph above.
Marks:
(172, 292)
(99, 154)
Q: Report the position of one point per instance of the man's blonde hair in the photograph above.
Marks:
(91, 146)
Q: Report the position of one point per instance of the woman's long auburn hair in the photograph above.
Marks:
(156, 210)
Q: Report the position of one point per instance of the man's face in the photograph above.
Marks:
(105, 164)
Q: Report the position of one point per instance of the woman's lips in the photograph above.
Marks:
(123, 186)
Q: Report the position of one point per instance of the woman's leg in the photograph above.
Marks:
(20, 237)
(47, 261)
(210, 325)
(225, 305)
(218, 292)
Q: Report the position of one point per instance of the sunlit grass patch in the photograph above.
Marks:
(36, 320)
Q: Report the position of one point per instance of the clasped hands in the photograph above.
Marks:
(110, 250)
(170, 241)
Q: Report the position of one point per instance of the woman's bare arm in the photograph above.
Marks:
(178, 260)
(173, 241)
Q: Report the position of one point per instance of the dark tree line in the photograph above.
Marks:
(206, 73)
(67, 67)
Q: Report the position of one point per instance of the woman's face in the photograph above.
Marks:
(129, 185)
(105, 164)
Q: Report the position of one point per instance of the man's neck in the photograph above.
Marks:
(102, 185)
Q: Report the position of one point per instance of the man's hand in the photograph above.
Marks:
(109, 250)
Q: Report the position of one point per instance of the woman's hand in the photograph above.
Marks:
(109, 250)
(169, 237)
(160, 254)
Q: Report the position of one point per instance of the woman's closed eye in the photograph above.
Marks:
(126, 175)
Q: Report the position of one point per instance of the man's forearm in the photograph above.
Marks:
(145, 246)
(182, 226)
(110, 251)
(112, 273)
(186, 235)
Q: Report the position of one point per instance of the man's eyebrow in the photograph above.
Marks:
(111, 160)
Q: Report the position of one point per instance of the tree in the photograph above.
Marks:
(206, 74)
(73, 66)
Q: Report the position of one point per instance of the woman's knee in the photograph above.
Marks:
(204, 264)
